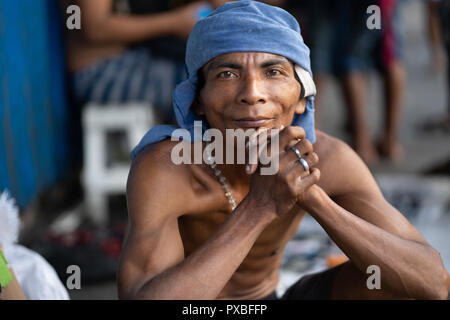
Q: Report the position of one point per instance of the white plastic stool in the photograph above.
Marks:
(100, 181)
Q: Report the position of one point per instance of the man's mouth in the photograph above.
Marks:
(255, 122)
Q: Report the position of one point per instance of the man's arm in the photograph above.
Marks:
(101, 25)
(153, 265)
(158, 192)
(371, 232)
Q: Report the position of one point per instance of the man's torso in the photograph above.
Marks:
(257, 276)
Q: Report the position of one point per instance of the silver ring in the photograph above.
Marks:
(304, 164)
(300, 159)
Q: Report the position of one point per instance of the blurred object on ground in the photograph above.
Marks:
(334, 260)
(9, 286)
(104, 174)
(36, 276)
(440, 124)
(440, 169)
(95, 251)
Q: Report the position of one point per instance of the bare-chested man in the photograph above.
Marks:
(186, 242)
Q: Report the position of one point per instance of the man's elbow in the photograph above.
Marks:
(125, 292)
(444, 292)
(440, 289)
(444, 285)
(436, 290)
(433, 280)
(132, 295)
(142, 292)
(128, 290)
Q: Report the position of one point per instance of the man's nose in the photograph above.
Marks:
(252, 91)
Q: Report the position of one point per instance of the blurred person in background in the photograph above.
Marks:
(130, 51)
(439, 33)
(343, 45)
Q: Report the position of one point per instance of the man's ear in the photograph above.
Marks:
(301, 106)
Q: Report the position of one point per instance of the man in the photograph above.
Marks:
(218, 232)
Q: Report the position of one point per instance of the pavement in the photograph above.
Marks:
(424, 200)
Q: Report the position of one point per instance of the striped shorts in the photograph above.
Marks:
(133, 76)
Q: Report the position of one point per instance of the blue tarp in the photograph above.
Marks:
(33, 114)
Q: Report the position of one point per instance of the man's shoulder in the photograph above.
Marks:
(158, 186)
(157, 155)
(157, 177)
(342, 170)
(154, 165)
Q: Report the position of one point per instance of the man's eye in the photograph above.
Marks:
(226, 74)
(273, 72)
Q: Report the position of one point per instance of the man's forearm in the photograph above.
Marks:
(408, 268)
(124, 29)
(204, 273)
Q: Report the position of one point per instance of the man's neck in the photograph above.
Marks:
(234, 172)
(235, 175)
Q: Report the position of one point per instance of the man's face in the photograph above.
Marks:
(249, 90)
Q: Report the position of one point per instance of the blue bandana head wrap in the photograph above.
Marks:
(242, 26)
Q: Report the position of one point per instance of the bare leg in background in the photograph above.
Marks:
(394, 86)
(354, 87)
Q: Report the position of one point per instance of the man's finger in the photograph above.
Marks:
(312, 159)
(305, 148)
(305, 182)
(289, 134)
(258, 143)
(291, 161)
(252, 147)
(253, 137)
